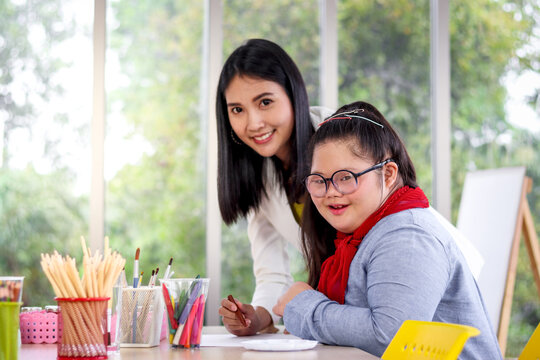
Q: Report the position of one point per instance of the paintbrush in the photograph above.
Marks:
(168, 270)
(136, 268)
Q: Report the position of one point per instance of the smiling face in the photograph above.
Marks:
(261, 115)
(347, 212)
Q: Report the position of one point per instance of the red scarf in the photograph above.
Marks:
(335, 269)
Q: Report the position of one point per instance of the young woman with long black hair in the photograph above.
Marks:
(264, 125)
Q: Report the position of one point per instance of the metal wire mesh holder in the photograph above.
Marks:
(140, 317)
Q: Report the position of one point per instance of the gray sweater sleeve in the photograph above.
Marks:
(396, 275)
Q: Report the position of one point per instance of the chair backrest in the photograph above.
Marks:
(531, 351)
(428, 340)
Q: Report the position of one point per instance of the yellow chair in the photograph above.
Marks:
(531, 351)
(428, 340)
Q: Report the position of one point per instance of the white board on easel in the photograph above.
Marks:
(488, 214)
(494, 214)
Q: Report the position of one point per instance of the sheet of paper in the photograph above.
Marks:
(236, 341)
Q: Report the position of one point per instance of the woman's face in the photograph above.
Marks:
(261, 115)
(347, 212)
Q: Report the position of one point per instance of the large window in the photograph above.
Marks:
(155, 142)
(496, 117)
(45, 112)
(384, 59)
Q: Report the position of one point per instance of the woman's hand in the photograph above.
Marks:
(294, 290)
(256, 319)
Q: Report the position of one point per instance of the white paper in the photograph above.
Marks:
(230, 340)
(279, 344)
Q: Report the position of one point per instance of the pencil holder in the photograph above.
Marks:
(140, 317)
(9, 330)
(84, 323)
(185, 300)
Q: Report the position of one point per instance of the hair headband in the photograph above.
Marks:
(349, 115)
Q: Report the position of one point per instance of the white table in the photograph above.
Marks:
(164, 351)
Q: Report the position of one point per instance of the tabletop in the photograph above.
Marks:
(164, 351)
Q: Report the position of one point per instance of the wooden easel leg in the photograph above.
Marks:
(524, 224)
(531, 241)
(506, 307)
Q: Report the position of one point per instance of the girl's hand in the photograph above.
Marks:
(294, 290)
(256, 319)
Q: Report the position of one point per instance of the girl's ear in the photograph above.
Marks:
(390, 172)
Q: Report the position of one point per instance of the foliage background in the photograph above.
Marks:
(154, 69)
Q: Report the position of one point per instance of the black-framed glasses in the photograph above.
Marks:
(345, 181)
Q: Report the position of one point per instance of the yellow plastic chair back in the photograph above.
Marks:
(531, 351)
(428, 340)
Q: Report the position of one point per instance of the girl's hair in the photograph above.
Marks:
(241, 171)
(366, 140)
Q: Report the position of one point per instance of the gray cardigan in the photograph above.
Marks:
(407, 267)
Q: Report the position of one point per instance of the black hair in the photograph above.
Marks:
(365, 139)
(241, 171)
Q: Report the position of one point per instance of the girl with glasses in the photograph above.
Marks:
(376, 254)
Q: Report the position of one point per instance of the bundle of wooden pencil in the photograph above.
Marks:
(100, 272)
(83, 301)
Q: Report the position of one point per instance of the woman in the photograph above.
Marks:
(375, 252)
(264, 125)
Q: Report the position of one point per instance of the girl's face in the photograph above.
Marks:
(261, 115)
(347, 212)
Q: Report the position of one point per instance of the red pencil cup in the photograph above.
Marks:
(185, 300)
(84, 322)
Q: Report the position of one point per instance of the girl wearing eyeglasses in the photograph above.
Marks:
(376, 254)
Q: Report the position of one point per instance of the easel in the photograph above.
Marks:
(525, 225)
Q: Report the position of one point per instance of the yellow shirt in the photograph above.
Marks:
(297, 209)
